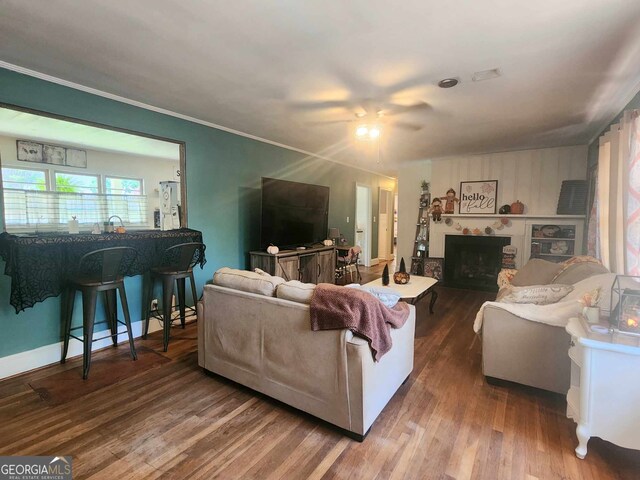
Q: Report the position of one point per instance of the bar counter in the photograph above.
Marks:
(39, 264)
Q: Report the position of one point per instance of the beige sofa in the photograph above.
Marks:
(527, 352)
(266, 343)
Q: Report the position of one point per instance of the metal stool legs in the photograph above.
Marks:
(89, 301)
(127, 321)
(167, 302)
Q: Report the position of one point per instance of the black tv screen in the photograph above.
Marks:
(293, 214)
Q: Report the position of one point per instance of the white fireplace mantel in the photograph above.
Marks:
(518, 229)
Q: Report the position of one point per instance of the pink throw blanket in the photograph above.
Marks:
(334, 307)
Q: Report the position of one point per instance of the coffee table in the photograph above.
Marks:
(414, 291)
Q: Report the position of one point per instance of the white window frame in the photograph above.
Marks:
(119, 177)
(54, 183)
(47, 178)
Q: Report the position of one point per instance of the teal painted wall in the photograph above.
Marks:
(223, 180)
(593, 146)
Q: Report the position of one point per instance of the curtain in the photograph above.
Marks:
(633, 201)
(618, 196)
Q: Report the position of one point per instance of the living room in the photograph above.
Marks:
(530, 97)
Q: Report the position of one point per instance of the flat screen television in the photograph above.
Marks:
(293, 214)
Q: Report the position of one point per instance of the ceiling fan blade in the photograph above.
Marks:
(407, 126)
(321, 105)
(392, 109)
(327, 122)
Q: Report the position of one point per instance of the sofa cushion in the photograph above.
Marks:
(537, 294)
(296, 291)
(536, 272)
(576, 272)
(247, 281)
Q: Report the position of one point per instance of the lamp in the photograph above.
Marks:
(334, 234)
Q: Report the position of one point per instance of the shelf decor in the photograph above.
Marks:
(478, 197)
(625, 304)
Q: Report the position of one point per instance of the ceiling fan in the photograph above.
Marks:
(369, 114)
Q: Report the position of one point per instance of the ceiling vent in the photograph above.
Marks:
(486, 75)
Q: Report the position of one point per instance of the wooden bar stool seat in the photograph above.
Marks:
(98, 271)
(178, 263)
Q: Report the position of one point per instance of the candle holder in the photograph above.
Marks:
(625, 305)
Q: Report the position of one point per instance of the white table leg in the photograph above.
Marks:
(583, 437)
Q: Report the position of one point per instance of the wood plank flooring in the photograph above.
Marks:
(176, 421)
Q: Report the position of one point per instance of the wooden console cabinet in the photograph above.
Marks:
(313, 265)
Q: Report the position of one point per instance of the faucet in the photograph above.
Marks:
(119, 229)
(116, 216)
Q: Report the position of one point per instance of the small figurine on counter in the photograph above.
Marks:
(436, 210)
(450, 201)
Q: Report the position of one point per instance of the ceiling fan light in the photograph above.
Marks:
(362, 131)
(374, 133)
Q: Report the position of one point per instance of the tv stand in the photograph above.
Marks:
(308, 265)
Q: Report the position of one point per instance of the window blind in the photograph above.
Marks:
(50, 211)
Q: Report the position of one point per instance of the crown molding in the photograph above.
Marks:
(163, 111)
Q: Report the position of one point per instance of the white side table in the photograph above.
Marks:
(604, 397)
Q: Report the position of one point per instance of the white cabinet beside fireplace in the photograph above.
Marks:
(539, 246)
(604, 394)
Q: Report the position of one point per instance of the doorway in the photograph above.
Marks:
(363, 223)
(384, 224)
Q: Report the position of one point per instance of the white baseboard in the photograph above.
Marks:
(42, 356)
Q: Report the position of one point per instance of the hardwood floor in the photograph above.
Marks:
(172, 420)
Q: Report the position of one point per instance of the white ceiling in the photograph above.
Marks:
(256, 66)
(27, 126)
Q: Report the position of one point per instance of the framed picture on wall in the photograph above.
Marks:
(76, 158)
(434, 268)
(53, 154)
(478, 197)
(29, 151)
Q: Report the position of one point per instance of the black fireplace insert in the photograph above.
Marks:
(473, 262)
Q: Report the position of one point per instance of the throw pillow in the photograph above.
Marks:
(247, 281)
(536, 272)
(296, 291)
(537, 294)
(388, 296)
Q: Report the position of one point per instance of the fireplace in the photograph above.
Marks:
(473, 262)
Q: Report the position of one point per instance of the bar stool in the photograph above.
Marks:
(178, 263)
(98, 271)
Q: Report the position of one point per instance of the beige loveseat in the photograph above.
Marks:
(533, 353)
(250, 336)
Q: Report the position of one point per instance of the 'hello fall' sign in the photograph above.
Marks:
(478, 197)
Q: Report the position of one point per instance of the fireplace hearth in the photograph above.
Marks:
(473, 262)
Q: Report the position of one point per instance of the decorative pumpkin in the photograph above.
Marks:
(401, 277)
(505, 210)
(477, 231)
(488, 230)
(504, 221)
(517, 208)
(272, 249)
(466, 231)
(385, 275)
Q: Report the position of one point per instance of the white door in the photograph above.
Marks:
(384, 232)
(362, 232)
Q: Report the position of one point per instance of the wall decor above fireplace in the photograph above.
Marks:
(478, 197)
